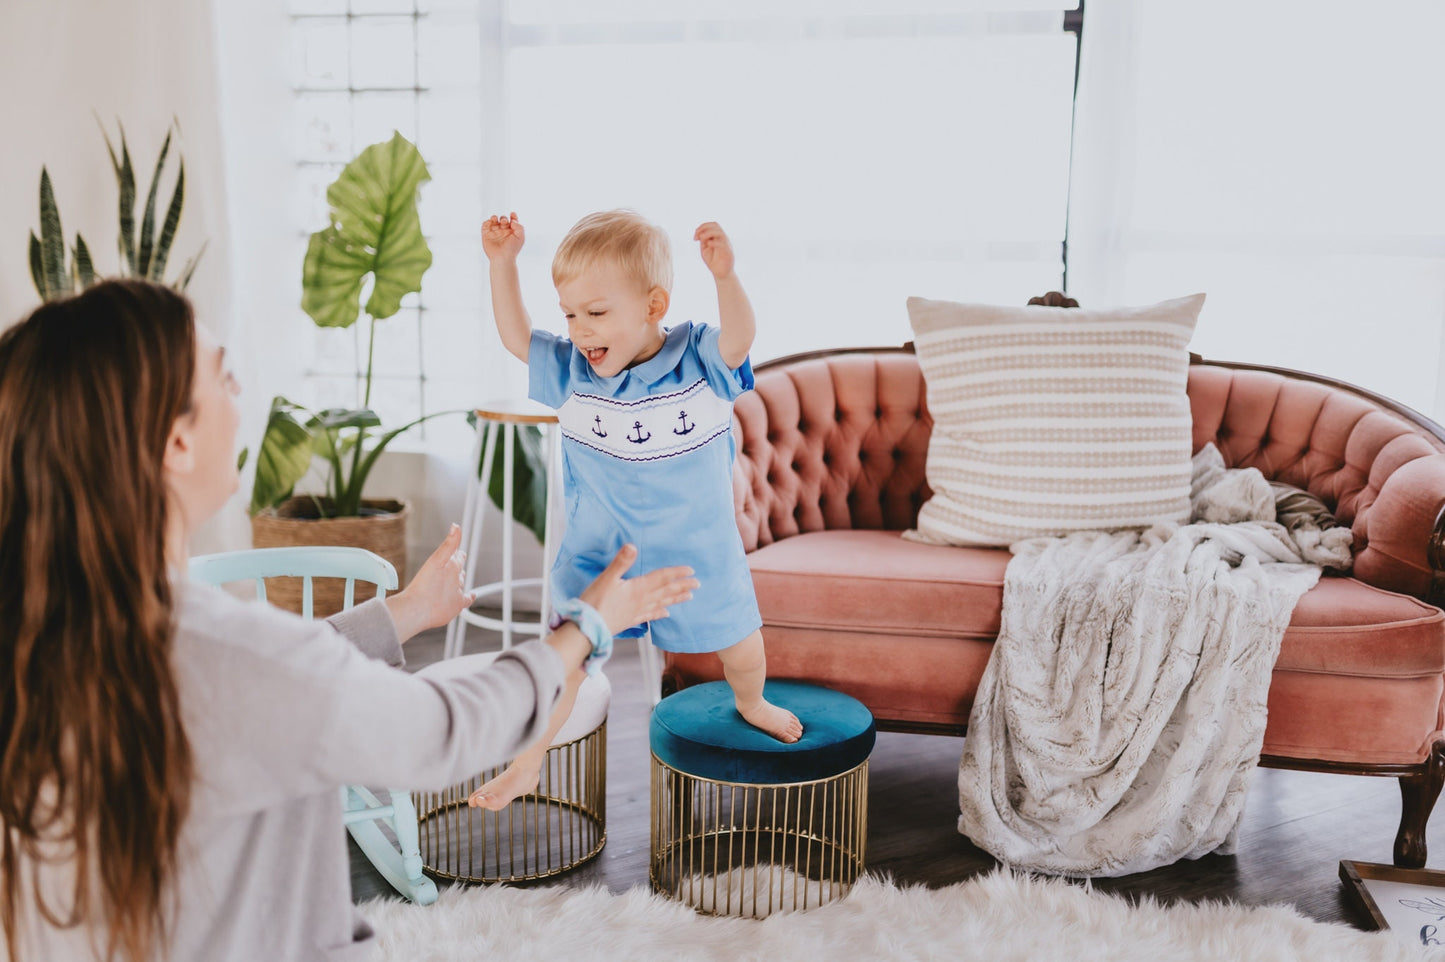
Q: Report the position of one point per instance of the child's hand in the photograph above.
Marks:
(717, 250)
(502, 237)
(623, 603)
(438, 591)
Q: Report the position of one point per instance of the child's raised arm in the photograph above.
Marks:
(502, 239)
(736, 325)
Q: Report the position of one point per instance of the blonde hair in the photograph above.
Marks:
(623, 237)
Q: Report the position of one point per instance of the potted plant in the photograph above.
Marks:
(374, 235)
(144, 255)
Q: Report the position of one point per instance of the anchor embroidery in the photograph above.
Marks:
(640, 436)
(597, 430)
(686, 428)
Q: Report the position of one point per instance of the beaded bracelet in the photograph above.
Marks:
(590, 623)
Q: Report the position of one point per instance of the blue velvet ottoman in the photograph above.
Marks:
(743, 824)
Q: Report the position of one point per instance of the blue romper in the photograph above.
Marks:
(647, 458)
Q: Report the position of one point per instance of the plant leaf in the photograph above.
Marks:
(37, 266)
(52, 242)
(125, 181)
(148, 218)
(84, 266)
(529, 481)
(374, 229)
(333, 418)
(190, 268)
(283, 458)
(168, 229)
(357, 481)
(332, 445)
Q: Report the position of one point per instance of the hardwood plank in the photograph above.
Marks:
(1296, 828)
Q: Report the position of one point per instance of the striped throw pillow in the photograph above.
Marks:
(1050, 420)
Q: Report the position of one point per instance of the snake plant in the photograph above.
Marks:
(144, 251)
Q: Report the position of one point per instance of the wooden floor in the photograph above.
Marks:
(1297, 825)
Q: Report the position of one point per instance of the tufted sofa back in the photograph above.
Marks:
(834, 440)
(839, 439)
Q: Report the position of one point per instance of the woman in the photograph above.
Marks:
(170, 755)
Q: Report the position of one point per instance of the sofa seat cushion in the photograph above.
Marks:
(1343, 626)
(875, 582)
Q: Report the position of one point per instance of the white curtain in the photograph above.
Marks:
(1283, 157)
(71, 66)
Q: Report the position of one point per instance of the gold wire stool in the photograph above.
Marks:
(742, 846)
(551, 830)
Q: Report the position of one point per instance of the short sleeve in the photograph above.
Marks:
(549, 368)
(727, 382)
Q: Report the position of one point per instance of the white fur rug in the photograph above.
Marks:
(994, 918)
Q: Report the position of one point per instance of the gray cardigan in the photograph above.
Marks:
(280, 712)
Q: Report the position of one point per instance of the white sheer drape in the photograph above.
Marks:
(1283, 157)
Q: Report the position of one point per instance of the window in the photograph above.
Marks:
(857, 153)
(1281, 157)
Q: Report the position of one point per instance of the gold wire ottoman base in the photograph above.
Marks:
(549, 831)
(726, 848)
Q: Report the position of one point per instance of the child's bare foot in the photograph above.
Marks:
(513, 783)
(778, 722)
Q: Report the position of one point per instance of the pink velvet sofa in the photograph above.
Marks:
(830, 470)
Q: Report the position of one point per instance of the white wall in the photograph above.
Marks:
(67, 67)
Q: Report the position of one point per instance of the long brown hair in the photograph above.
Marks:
(96, 768)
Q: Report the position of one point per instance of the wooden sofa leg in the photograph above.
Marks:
(1418, 793)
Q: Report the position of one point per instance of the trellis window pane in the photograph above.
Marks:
(449, 123)
(383, 6)
(451, 205)
(456, 281)
(312, 7)
(397, 352)
(333, 352)
(310, 209)
(323, 127)
(450, 52)
(377, 115)
(383, 52)
(320, 52)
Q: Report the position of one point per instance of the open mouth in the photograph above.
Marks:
(595, 354)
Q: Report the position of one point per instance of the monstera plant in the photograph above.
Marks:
(374, 233)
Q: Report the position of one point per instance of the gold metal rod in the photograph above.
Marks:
(511, 842)
(732, 825)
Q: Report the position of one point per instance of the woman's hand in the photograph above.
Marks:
(438, 592)
(624, 602)
(503, 237)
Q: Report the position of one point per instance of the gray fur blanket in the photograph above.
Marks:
(1123, 707)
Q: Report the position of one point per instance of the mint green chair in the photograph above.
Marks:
(399, 863)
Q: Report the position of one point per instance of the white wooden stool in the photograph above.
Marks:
(504, 418)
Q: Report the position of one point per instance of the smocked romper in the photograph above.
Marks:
(647, 458)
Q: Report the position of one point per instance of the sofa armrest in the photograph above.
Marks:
(1404, 532)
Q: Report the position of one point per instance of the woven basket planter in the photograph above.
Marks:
(296, 522)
